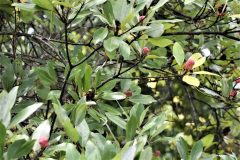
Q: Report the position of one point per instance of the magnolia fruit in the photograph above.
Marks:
(189, 64)
(146, 50)
(221, 14)
(237, 80)
(157, 153)
(233, 93)
(141, 18)
(128, 93)
(43, 141)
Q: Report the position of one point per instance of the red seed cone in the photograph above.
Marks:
(157, 153)
(43, 141)
(146, 50)
(189, 64)
(233, 93)
(237, 80)
(128, 93)
(141, 18)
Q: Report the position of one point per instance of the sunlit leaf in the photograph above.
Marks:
(178, 53)
(113, 96)
(197, 150)
(206, 72)
(191, 80)
(199, 62)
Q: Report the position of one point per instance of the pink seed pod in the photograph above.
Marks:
(43, 141)
(233, 93)
(128, 93)
(146, 50)
(237, 80)
(141, 18)
(189, 64)
(157, 153)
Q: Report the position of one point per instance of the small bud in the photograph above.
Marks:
(128, 93)
(189, 64)
(43, 141)
(157, 153)
(146, 50)
(221, 14)
(233, 93)
(237, 80)
(141, 18)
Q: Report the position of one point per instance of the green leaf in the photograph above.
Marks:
(207, 141)
(186, 2)
(87, 82)
(143, 99)
(235, 16)
(108, 13)
(160, 42)
(8, 77)
(80, 113)
(109, 151)
(139, 28)
(92, 152)
(70, 130)
(44, 76)
(211, 92)
(113, 96)
(129, 154)
(65, 122)
(71, 152)
(117, 120)
(120, 9)
(191, 80)
(154, 124)
(226, 86)
(6, 103)
(197, 150)
(131, 127)
(125, 50)
(4, 2)
(94, 3)
(182, 148)
(199, 62)
(19, 149)
(178, 53)
(24, 114)
(65, 4)
(111, 44)
(127, 19)
(45, 4)
(2, 139)
(25, 6)
(156, 30)
(146, 154)
(206, 72)
(84, 132)
(108, 86)
(99, 35)
(159, 4)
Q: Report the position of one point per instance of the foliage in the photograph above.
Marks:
(119, 79)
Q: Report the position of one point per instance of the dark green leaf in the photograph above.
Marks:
(2, 139)
(143, 99)
(19, 148)
(24, 114)
(178, 53)
(99, 35)
(131, 127)
(197, 150)
(182, 148)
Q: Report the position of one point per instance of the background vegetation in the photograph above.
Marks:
(119, 79)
